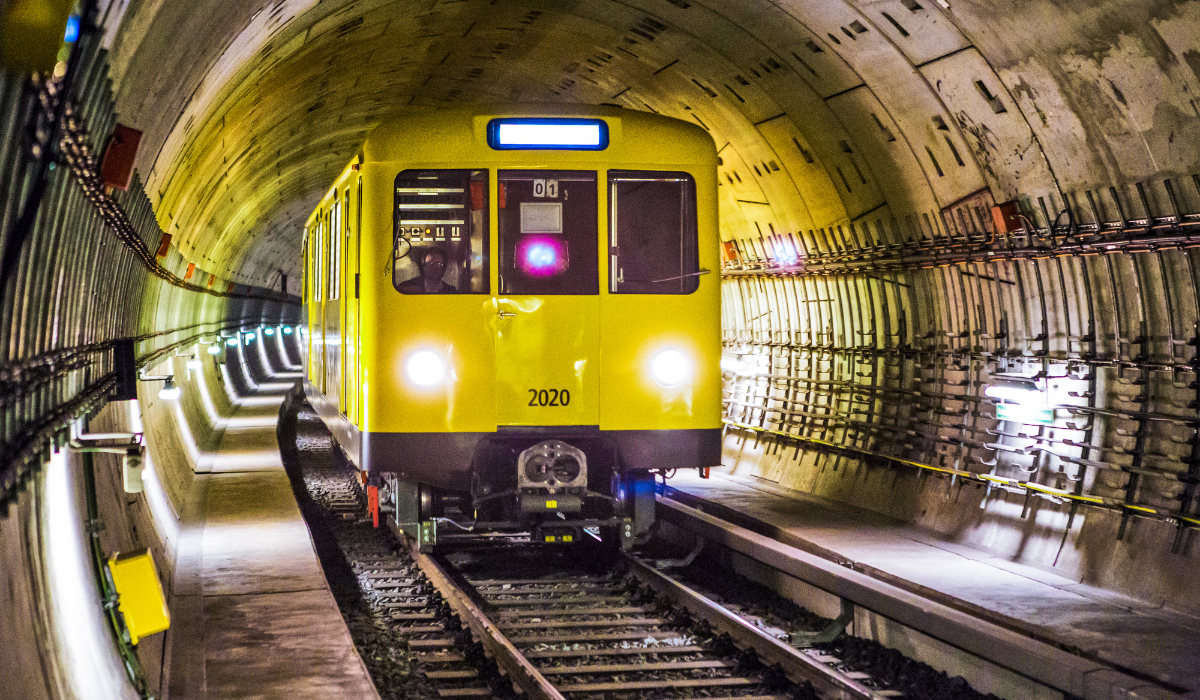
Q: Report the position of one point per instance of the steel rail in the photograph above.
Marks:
(973, 630)
(798, 666)
(827, 682)
(520, 671)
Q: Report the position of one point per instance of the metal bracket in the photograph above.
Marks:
(803, 640)
(661, 564)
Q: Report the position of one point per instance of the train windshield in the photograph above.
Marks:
(440, 223)
(548, 236)
(652, 233)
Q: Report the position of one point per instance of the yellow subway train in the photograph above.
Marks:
(512, 318)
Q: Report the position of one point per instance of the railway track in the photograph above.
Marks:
(500, 619)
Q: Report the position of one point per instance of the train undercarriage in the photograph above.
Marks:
(551, 490)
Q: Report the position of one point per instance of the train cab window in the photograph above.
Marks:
(548, 236)
(440, 223)
(652, 233)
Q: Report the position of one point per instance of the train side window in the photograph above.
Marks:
(306, 273)
(547, 226)
(335, 249)
(440, 219)
(320, 271)
(652, 233)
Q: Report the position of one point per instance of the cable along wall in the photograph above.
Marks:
(878, 344)
(85, 276)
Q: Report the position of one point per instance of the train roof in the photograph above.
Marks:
(460, 134)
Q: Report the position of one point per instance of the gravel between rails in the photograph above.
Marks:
(371, 576)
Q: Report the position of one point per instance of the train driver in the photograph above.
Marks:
(433, 267)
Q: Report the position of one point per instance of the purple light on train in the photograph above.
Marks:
(542, 256)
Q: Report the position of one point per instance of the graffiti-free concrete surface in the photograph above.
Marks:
(1119, 630)
(254, 617)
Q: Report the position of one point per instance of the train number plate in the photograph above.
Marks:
(549, 397)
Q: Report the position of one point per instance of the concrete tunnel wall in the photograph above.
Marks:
(859, 141)
(59, 645)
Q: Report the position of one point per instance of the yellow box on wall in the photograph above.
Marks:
(140, 594)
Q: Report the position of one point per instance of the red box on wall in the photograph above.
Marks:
(1006, 217)
(116, 169)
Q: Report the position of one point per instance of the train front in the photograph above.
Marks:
(547, 330)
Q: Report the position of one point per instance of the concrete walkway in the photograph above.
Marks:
(253, 614)
(1118, 630)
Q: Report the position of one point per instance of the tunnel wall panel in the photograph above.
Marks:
(85, 279)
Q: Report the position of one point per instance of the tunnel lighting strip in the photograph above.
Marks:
(31, 372)
(842, 417)
(27, 446)
(1190, 421)
(987, 479)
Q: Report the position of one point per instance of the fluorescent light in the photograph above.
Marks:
(1014, 394)
(549, 135)
(1029, 415)
(541, 133)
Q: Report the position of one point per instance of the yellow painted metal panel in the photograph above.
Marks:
(635, 329)
(549, 344)
(140, 594)
(458, 329)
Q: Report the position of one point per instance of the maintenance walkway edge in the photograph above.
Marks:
(253, 615)
(789, 532)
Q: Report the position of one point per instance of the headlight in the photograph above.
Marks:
(669, 367)
(425, 368)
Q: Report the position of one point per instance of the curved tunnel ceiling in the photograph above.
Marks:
(823, 111)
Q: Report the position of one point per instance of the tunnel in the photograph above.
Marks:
(959, 282)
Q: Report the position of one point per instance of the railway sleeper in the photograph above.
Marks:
(571, 624)
(636, 668)
(660, 637)
(589, 610)
(613, 651)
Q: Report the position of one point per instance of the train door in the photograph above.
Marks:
(344, 306)
(352, 309)
(322, 292)
(333, 335)
(548, 304)
(306, 300)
